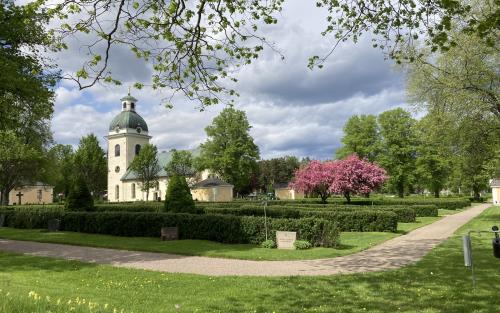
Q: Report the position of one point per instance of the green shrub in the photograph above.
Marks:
(178, 197)
(215, 227)
(79, 197)
(425, 210)
(346, 219)
(268, 244)
(302, 244)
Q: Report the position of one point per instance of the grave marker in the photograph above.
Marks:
(286, 239)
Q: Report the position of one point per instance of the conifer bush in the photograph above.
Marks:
(179, 198)
(79, 197)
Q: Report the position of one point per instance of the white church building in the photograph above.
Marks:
(128, 132)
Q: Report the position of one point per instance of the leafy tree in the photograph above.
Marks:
(229, 150)
(18, 163)
(277, 170)
(315, 177)
(179, 198)
(398, 144)
(355, 176)
(172, 35)
(434, 152)
(60, 169)
(90, 162)
(79, 197)
(361, 137)
(146, 166)
(181, 163)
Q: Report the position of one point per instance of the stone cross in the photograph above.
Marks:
(19, 195)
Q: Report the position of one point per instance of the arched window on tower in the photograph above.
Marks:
(117, 192)
(137, 149)
(117, 150)
(124, 105)
(132, 106)
(132, 190)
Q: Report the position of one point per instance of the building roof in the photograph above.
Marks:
(128, 119)
(495, 182)
(164, 158)
(211, 182)
(129, 98)
(282, 186)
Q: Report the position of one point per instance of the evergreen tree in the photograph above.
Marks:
(79, 197)
(179, 198)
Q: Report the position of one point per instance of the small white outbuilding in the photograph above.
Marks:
(495, 190)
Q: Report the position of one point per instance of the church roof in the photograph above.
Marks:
(495, 182)
(211, 182)
(128, 119)
(164, 158)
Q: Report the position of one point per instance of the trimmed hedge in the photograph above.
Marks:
(347, 220)
(441, 203)
(215, 227)
(425, 210)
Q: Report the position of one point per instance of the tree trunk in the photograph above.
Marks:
(347, 195)
(4, 200)
(401, 189)
(323, 196)
(147, 195)
(436, 193)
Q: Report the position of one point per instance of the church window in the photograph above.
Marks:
(117, 192)
(124, 105)
(157, 187)
(117, 150)
(133, 191)
(137, 149)
(117, 169)
(132, 105)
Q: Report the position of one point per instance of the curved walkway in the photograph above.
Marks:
(394, 253)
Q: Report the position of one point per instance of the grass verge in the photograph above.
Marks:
(438, 283)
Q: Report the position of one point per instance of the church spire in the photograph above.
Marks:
(128, 102)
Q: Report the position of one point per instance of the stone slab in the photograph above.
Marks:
(286, 239)
(169, 233)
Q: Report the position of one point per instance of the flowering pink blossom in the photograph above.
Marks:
(355, 176)
(316, 176)
(346, 177)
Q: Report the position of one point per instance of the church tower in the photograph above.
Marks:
(128, 132)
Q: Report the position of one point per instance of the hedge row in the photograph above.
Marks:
(347, 220)
(405, 215)
(215, 227)
(441, 203)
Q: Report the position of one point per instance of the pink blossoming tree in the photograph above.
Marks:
(346, 177)
(315, 177)
(356, 176)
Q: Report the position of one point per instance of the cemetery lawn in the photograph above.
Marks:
(350, 242)
(437, 283)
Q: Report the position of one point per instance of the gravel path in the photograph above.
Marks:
(394, 253)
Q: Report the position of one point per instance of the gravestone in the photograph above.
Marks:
(169, 233)
(286, 239)
(54, 224)
(2, 219)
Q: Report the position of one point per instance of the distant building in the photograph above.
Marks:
(495, 190)
(282, 191)
(212, 189)
(128, 132)
(37, 193)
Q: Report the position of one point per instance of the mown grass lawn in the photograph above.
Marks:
(351, 242)
(438, 283)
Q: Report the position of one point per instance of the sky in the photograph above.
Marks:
(293, 110)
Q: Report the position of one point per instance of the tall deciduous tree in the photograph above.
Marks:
(229, 150)
(146, 167)
(315, 177)
(398, 148)
(355, 176)
(277, 170)
(90, 163)
(59, 169)
(18, 163)
(361, 137)
(181, 163)
(434, 151)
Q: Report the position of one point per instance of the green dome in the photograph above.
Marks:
(128, 119)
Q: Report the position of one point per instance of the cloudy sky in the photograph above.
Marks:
(292, 110)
